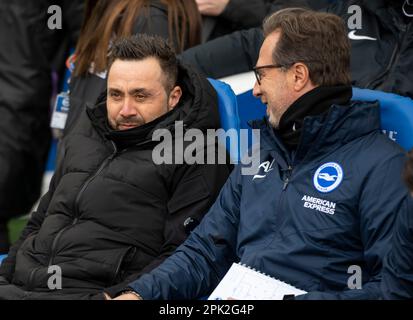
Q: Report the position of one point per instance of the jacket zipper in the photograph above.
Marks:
(76, 219)
(288, 177)
(279, 215)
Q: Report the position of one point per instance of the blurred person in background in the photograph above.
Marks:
(29, 50)
(221, 17)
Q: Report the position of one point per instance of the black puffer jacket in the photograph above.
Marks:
(111, 213)
(383, 64)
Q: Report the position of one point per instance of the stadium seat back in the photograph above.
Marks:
(228, 110)
(396, 114)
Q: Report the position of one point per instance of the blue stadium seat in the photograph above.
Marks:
(2, 257)
(228, 110)
(396, 114)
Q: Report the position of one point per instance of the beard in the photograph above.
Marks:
(122, 123)
(273, 118)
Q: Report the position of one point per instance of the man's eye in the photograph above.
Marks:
(140, 97)
(114, 94)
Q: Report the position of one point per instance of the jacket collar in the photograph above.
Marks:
(313, 103)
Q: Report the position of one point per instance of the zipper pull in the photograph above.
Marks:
(288, 175)
(115, 150)
(285, 184)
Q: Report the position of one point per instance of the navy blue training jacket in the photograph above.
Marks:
(304, 219)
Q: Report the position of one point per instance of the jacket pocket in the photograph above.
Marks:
(122, 264)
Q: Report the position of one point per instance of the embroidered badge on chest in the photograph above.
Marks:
(328, 177)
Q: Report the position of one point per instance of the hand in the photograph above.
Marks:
(211, 7)
(127, 296)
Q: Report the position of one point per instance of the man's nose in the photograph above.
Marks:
(128, 109)
(257, 90)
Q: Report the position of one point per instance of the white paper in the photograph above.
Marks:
(244, 283)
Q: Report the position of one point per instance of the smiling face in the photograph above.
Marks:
(137, 93)
(274, 88)
(279, 87)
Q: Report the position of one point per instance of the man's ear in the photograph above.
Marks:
(174, 97)
(301, 76)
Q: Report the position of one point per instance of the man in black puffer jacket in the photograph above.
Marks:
(111, 213)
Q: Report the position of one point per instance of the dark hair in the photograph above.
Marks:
(142, 46)
(105, 18)
(317, 39)
(408, 171)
